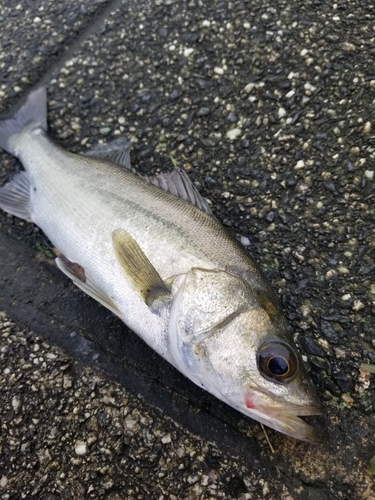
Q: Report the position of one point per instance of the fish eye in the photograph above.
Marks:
(277, 361)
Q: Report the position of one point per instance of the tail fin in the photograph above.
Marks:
(34, 109)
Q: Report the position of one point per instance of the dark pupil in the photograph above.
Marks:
(278, 366)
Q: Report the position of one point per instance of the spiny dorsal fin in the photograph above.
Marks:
(176, 182)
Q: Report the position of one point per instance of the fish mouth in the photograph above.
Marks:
(285, 417)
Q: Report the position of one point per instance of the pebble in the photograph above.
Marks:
(188, 51)
(343, 270)
(16, 404)
(348, 400)
(218, 70)
(80, 448)
(366, 128)
(166, 439)
(358, 305)
(233, 133)
(245, 241)
(300, 164)
(104, 130)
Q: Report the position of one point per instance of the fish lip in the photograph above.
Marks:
(283, 416)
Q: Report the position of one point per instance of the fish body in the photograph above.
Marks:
(165, 266)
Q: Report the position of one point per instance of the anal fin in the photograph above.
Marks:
(87, 286)
(15, 196)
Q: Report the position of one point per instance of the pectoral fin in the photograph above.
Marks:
(139, 270)
(87, 286)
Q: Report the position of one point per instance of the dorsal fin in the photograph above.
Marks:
(117, 151)
(176, 182)
(179, 184)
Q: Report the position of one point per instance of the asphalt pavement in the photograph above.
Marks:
(269, 106)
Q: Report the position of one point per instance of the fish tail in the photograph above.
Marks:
(33, 110)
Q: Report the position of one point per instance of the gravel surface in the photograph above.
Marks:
(270, 108)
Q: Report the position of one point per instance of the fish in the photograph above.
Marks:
(150, 250)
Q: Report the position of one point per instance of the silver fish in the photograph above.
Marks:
(151, 251)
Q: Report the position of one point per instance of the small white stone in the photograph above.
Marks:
(304, 52)
(300, 164)
(330, 274)
(309, 87)
(234, 133)
(16, 403)
(319, 205)
(249, 87)
(166, 439)
(246, 25)
(37, 20)
(80, 448)
(281, 112)
(130, 423)
(346, 296)
(290, 94)
(366, 128)
(358, 305)
(218, 70)
(245, 241)
(206, 23)
(121, 120)
(369, 174)
(343, 270)
(188, 51)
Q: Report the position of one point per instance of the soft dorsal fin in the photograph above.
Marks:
(117, 151)
(176, 182)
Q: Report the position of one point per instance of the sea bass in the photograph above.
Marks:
(151, 251)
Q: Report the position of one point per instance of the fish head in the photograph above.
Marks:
(228, 334)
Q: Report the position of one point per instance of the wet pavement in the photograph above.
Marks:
(269, 107)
